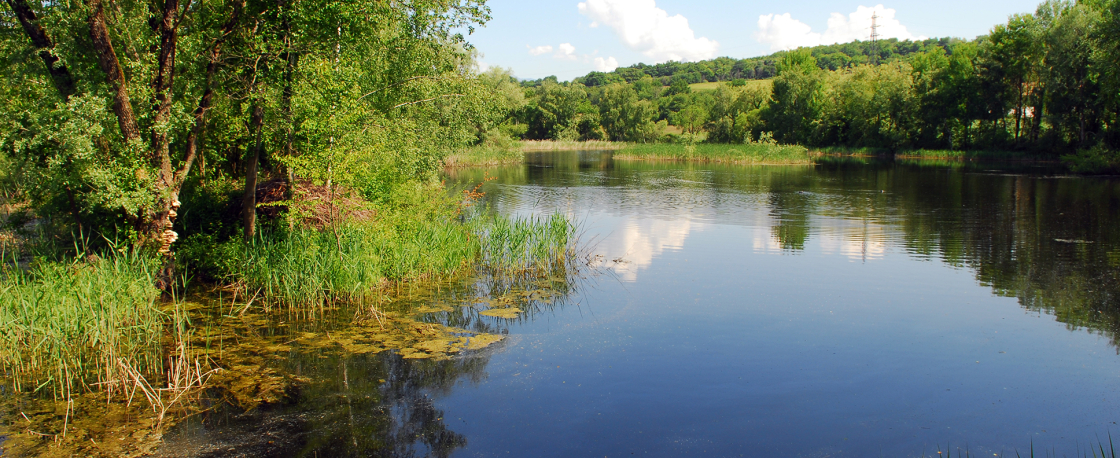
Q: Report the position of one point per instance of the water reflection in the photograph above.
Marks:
(1050, 241)
(639, 242)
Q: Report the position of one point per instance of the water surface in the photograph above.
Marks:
(835, 310)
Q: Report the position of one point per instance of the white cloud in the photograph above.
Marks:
(784, 32)
(540, 50)
(781, 31)
(566, 51)
(645, 28)
(605, 65)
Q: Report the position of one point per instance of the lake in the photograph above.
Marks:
(853, 308)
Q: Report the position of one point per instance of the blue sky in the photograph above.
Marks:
(569, 38)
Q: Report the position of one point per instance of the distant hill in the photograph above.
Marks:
(830, 57)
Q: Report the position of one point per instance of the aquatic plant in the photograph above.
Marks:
(67, 326)
(309, 268)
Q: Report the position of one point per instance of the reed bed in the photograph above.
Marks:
(570, 145)
(967, 155)
(484, 156)
(73, 326)
(863, 151)
(306, 269)
(752, 153)
(524, 245)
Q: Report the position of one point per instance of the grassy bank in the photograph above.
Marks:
(927, 154)
(564, 145)
(484, 156)
(755, 153)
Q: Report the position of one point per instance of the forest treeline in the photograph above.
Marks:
(1043, 84)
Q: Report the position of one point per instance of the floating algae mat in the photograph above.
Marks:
(508, 313)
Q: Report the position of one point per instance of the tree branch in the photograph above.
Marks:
(63, 80)
(204, 104)
(428, 100)
(400, 84)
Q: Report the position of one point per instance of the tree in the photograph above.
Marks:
(1016, 48)
(560, 112)
(625, 117)
(794, 111)
(133, 94)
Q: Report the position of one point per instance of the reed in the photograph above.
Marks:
(511, 246)
(484, 155)
(752, 153)
(862, 151)
(79, 325)
(570, 145)
(307, 269)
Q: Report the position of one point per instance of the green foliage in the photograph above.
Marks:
(626, 117)
(561, 112)
(1093, 160)
(868, 106)
(369, 95)
(798, 97)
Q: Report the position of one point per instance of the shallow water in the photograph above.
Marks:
(839, 310)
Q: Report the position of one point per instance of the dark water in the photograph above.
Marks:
(837, 310)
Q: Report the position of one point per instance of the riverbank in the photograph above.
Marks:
(932, 154)
(479, 156)
(754, 153)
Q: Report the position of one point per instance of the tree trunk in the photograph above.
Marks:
(253, 156)
(107, 58)
(61, 76)
(195, 138)
(1019, 112)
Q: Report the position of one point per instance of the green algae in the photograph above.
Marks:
(507, 313)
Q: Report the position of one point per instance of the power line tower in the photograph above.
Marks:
(874, 38)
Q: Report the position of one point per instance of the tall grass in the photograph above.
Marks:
(753, 153)
(512, 246)
(850, 151)
(484, 155)
(308, 268)
(570, 145)
(69, 326)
